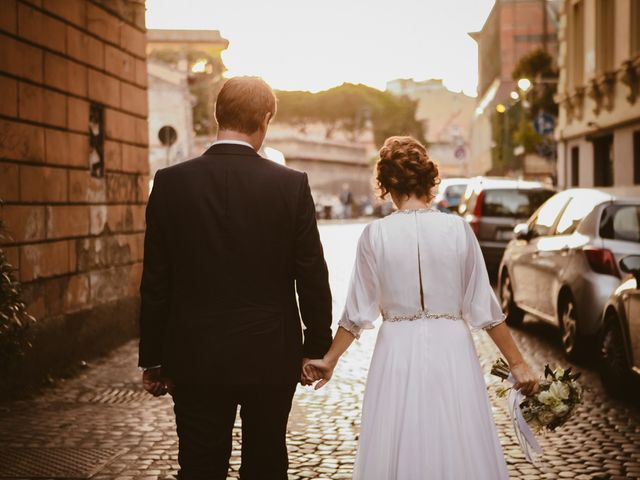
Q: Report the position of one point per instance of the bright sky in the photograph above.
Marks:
(315, 45)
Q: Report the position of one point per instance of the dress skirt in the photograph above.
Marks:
(426, 413)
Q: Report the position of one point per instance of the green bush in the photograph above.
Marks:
(14, 319)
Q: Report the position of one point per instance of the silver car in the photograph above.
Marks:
(562, 265)
(493, 206)
(620, 339)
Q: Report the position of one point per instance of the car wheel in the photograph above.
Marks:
(572, 343)
(614, 368)
(513, 313)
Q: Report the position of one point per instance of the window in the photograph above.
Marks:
(603, 161)
(576, 56)
(513, 203)
(453, 193)
(635, 27)
(636, 156)
(605, 17)
(621, 222)
(575, 166)
(546, 216)
(582, 203)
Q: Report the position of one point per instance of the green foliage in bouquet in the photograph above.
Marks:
(14, 319)
(555, 402)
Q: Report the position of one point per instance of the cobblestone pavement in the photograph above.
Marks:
(104, 408)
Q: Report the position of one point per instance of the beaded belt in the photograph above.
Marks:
(419, 315)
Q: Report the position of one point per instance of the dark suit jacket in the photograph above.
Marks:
(230, 238)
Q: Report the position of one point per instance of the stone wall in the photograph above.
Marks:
(77, 234)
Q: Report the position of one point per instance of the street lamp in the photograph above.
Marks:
(514, 95)
(524, 84)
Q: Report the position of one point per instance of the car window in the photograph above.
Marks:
(580, 205)
(621, 222)
(547, 215)
(454, 192)
(513, 202)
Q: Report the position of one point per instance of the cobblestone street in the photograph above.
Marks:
(104, 408)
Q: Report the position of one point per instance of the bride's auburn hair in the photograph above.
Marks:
(405, 168)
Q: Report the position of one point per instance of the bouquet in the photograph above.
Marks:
(555, 402)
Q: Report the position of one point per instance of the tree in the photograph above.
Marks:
(514, 127)
(351, 108)
(538, 67)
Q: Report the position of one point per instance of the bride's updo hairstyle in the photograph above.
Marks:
(404, 167)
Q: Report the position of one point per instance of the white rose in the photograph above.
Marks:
(547, 397)
(560, 390)
(560, 409)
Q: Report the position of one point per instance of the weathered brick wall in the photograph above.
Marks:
(77, 239)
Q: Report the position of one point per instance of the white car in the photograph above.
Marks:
(449, 193)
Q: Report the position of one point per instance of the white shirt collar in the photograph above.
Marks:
(233, 142)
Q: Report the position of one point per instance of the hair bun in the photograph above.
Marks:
(404, 167)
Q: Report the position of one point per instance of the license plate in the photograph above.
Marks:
(504, 234)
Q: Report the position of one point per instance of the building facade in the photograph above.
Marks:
(74, 170)
(599, 125)
(170, 107)
(329, 164)
(197, 53)
(512, 29)
(446, 117)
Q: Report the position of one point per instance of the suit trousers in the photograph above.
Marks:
(205, 416)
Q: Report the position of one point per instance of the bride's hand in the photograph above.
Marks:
(319, 370)
(526, 381)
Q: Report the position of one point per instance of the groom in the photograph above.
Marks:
(231, 238)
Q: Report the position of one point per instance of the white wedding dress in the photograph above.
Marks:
(426, 414)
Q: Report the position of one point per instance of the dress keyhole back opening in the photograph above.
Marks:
(415, 214)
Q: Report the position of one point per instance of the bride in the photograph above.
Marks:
(426, 414)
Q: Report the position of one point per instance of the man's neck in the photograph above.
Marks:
(238, 137)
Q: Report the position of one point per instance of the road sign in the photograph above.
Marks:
(167, 135)
(544, 123)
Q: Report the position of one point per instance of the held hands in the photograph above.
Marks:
(154, 383)
(526, 381)
(320, 371)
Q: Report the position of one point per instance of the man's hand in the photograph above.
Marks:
(304, 379)
(154, 383)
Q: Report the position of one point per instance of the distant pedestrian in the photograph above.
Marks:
(231, 239)
(346, 200)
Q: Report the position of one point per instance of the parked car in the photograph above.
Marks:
(620, 340)
(494, 206)
(450, 191)
(562, 264)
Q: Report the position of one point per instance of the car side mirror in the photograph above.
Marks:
(522, 232)
(631, 264)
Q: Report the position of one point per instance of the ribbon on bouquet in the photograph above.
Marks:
(527, 440)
